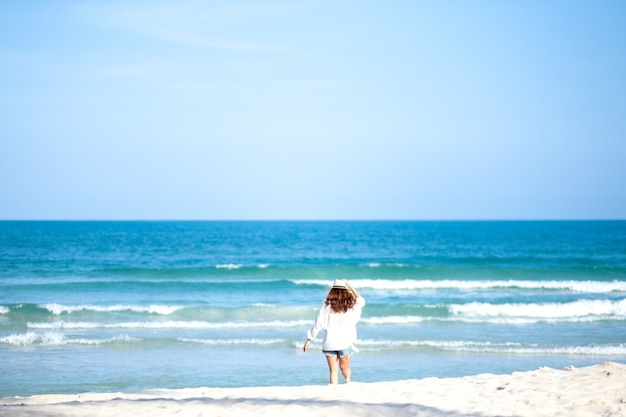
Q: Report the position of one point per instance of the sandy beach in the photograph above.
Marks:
(598, 390)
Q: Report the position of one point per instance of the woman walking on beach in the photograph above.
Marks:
(338, 316)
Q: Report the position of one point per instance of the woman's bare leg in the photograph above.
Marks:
(333, 368)
(344, 365)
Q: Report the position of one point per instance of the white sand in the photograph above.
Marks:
(598, 390)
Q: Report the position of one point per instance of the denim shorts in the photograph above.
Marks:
(342, 353)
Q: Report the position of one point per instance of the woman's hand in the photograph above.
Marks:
(306, 344)
(351, 288)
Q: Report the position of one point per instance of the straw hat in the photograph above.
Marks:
(340, 284)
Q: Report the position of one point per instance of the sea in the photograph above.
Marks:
(132, 305)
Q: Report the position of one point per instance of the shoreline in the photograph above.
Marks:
(593, 390)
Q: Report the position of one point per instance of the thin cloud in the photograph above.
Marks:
(190, 24)
(122, 71)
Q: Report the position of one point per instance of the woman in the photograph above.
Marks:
(338, 315)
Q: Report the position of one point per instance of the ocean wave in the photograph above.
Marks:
(521, 321)
(235, 341)
(229, 266)
(58, 309)
(269, 316)
(575, 309)
(127, 312)
(59, 339)
(4, 310)
(491, 347)
(177, 271)
(306, 323)
(239, 266)
(580, 311)
(516, 321)
(57, 325)
(394, 320)
(592, 287)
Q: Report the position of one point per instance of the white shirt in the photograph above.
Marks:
(340, 327)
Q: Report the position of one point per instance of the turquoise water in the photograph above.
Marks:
(102, 306)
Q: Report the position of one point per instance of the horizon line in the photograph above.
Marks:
(312, 220)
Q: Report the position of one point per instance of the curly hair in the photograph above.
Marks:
(340, 300)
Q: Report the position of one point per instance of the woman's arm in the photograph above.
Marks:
(317, 327)
(351, 288)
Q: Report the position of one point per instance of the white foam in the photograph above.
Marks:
(493, 347)
(591, 287)
(167, 325)
(520, 321)
(229, 266)
(59, 309)
(4, 310)
(20, 339)
(393, 320)
(57, 339)
(413, 320)
(115, 339)
(235, 341)
(575, 309)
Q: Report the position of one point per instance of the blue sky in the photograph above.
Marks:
(312, 109)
